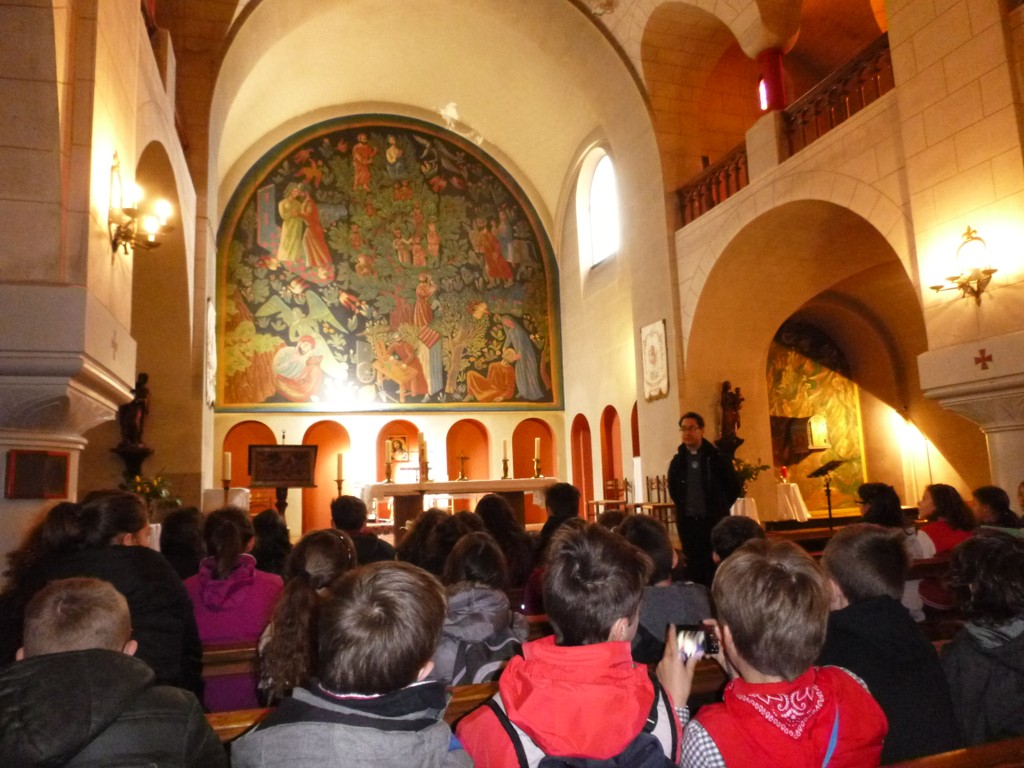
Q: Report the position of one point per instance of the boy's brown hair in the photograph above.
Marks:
(594, 578)
(775, 600)
(76, 615)
(651, 537)
(867, 561)
(379, 626)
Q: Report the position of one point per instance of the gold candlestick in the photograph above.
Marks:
(387, 472)
(226, 482)
(424, 472)
(340, 482)
(504, 469)
(536, 468)
(462, 468)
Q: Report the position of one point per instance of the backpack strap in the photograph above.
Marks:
(832, 741)
(661, 698)
(517, 743)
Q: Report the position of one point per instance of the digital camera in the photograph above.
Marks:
(697, 640)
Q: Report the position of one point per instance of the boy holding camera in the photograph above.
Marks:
(772, 602)
(578, 693)
(372, 703)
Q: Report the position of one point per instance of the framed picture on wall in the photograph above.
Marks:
(398, 448)
(282, 466)
(655, 360)
(37, 475)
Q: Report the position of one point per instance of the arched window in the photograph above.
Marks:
(597, 209)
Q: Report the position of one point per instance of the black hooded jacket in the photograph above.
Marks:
(87, 709)
(878, 641)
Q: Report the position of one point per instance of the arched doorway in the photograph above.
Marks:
(333, 441)
(612, 475)
(582, 458)
(236, 443)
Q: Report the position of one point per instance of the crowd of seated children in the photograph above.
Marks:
(481, 631)
(372, 704)
(181, 540)
(871, 634)
(578, 692)
(880, 505)
(76, 697)
(348, 514)
(772, 603)
(950, 521)
(665, 602)
(446, 534)
(232, 601)
(992, 510)
(107, 537)
(500, 521)
(287, 653)
(273, 541)
(984, 663)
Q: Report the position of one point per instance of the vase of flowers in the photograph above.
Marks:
(746, 472)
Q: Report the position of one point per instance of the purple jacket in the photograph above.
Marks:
(232, 610)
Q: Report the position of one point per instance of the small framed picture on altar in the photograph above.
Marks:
(398, 448)
(37, 474)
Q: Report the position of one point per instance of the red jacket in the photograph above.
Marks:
(582, 701)
(791, 724)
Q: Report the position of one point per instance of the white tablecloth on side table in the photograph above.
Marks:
(746, 507)
(791, 503)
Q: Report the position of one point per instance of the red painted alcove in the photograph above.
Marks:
(332, 439)
(611, 449)
(398, 428)
(523, 437)
(582, 459)
(469, 438)
(237, 442)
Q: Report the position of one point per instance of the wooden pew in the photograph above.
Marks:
(231, 659)
(998, 754)
(228, 725)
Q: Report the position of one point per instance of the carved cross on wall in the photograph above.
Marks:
(983, 360)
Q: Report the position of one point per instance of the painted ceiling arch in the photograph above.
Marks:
(528, 82)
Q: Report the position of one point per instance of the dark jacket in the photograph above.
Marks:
(717, 477)
(99, 708)
(878, 641)
(162, 620)
(985, 669)
(370, 548)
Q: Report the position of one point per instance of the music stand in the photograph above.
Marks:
(825, 471)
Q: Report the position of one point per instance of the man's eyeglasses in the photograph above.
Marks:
(689, 429)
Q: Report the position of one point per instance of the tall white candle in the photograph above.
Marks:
(536, 448)
(225, 467)
(339, 475)
(504, 449)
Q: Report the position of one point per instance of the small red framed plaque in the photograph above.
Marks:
(37, 474)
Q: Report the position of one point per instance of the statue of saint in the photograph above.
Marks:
(131, 416)
(731, 404)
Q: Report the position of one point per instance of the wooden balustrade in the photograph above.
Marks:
(844, 93)
(715, 184)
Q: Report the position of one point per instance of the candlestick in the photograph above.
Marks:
(536, 449)
(462, 467)
(227, 485)
(339, 481)
(504, 450)
(387, 472)
(536, 468)
(504, 469)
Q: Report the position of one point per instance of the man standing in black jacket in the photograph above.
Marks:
(704, 486)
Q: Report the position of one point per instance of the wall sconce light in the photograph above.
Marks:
(975, 272)
(130, 224)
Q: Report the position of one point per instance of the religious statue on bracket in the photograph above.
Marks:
(131, 418)
(731, 401)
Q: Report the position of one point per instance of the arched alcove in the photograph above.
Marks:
(815, 257)
(469, 438)
(237, 442)
(333, 441)
(611, 450)
(524, 448)
(582, 458)
(398, 444)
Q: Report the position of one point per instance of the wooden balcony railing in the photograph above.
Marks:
(842, 94)
(716, 183)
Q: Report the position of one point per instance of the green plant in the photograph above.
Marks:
(746, 472)
(154, 490)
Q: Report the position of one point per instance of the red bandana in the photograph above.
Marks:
(789, 712)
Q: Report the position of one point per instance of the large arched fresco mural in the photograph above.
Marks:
(379, 262)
